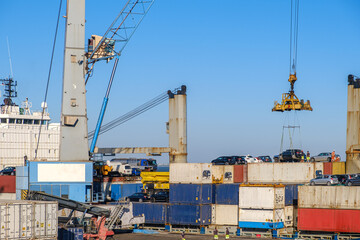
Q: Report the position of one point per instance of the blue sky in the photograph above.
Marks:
(232, 55)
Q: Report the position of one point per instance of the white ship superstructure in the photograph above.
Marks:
(19, 134)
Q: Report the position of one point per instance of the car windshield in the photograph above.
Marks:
(127, 167)
(8, 168)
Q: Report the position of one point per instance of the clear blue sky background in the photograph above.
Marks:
(233, 56)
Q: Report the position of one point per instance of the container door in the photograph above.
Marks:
(51, 219)
(40, 219)
(3, 221)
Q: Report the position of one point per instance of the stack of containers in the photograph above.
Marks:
(329, 209)
(191, 194)
(154, 213)
(262, 206)
(121, 191)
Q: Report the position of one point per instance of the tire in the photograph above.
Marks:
(328, 183)
(153, 200)
(329, 159)
(12, 173)
(140, 200)
(127, 199)
(312, 183)
(312, 159)
(349, 184)
(227, 163)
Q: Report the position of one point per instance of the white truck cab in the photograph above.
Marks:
(122, 169)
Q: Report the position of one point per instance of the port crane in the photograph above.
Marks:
(290, 101)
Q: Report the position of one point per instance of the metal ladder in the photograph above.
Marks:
(116, 213)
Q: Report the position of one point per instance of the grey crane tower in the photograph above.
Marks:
(73, 123)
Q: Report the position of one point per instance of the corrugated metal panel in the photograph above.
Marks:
(291, 194)
(155, 213)
(240, 173)
(327, 168)
(7, 184)
(192, 193)
(289, 216)
(17, 218)
(225, 215)
(22, 171)
(227, 194)
(338, 168)
(319, 166)
(7, 196)
(186, 214)
(22, 182)
(222, 173)
(262, 197)
(120, 191)
(281, 172)
(190, 173)
(329, 220)
(71, 234)
(339, 197)
(261, 217)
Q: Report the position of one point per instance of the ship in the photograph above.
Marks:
(20, 129)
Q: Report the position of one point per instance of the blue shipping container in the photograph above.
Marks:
(70, 234)
(291, 194)
(262, 225)
(186, 214)
(227, 194)
(120, 191)
(192, 193)
(155, 213)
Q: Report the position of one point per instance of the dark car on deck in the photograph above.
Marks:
(291, 155)
(162, 196)
(355, 180)
(265, 158)
(223, 160)
(8, 171)
(137, 197)
(239, 160)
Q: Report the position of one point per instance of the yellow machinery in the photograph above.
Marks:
(155, 180)
(290, 101)
(101, 168)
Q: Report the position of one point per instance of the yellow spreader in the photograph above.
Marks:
(290, 101)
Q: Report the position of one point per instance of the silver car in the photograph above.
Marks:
(324, 180)
(323, 157)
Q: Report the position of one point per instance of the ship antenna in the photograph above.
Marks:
(11, 71)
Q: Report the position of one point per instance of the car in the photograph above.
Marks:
(223, 160)
(265, 158)
(291, 155)
(250, 159)
(355, 180)
(8, 171)
(162, 196)
(324, 180)
(276, 158)
(239, 159)
(324, 157)
(137, 197)
(343, 178)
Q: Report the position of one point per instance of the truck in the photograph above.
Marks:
(140, 163)
(118, 168)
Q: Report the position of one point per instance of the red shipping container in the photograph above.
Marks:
(7, 184)
(329, 220)
(327, 168)
(240, 173)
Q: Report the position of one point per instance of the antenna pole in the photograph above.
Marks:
(11, 71)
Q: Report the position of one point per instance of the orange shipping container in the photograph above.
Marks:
(327, 168)
(7, 184)
(240, 173)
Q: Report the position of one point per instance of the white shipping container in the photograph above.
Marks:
(224, 215)
(222, 173)
(262, 197)
(7, 196)
(190, 173)
(261, 215)
(289, 216)
(281, 172)
(28, 219)
(339, 197)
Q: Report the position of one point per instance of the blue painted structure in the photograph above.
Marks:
(227, 194)
(155, 213)
(291, 195)
(187, 214)
(78, 191)
(120, 191)
(70, 234)
(261, 225)
(192, 193)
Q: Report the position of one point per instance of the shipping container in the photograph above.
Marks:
(289, 216)
(329, 220)
(227, 194)
(187, 214)
(262, 196)
(328, 168)
(7, 184)
(192, 193)
(155, 213)
(28, 219)
(71, 233)
(291, 194)
(338, 168)
(261, 218)
(240, 173)
(121, 191)
(7, 196)
(190, 173)
(222, 173)
(281, 172)
(339, 197)
(225, 215)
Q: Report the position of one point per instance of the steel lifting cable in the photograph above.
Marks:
(48, 79)
(294, 22)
